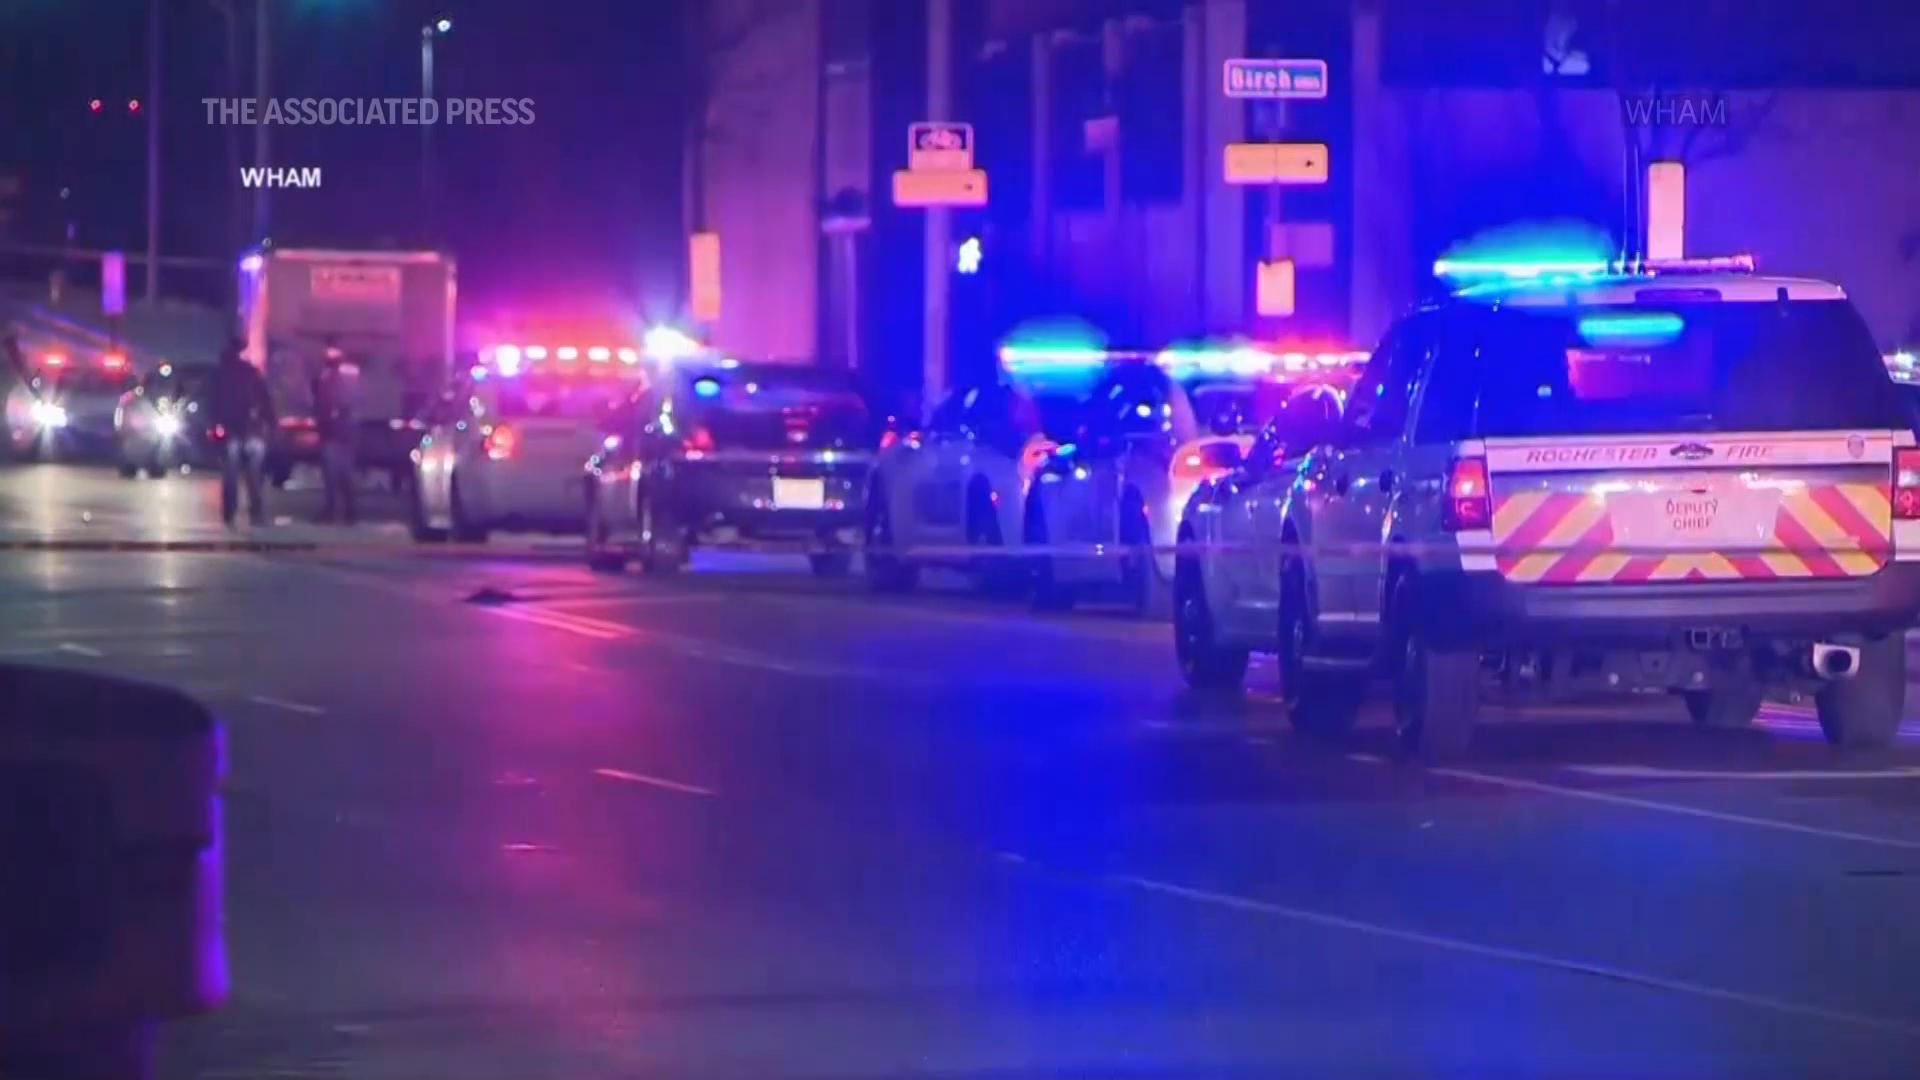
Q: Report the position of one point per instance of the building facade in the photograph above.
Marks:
(1102, 125)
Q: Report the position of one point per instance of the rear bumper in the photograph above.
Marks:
(709, 495)
(1487, 610)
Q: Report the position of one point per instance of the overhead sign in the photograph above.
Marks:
(703, 266)
(1276, 163)
(113, 283)
(919, 188)
(1273, 288)
(939, 146)
(1275, 79)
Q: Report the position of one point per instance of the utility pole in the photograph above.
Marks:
(939, 235)
(262, 65)
(153, 151)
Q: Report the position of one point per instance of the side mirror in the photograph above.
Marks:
(110, 832)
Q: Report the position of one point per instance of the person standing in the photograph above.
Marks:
(243, 417)
(333, 421)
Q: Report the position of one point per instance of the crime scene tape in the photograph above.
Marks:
(574, 548)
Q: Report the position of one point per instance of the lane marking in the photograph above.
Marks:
(290, 706)
(1518, 956)
(1655, 805)
(1655, 772)
(654, 781)
(78, 649)
(585, 626)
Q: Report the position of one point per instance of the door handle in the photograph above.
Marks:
(1386, 480)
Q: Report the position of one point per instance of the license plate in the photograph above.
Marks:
(797, 493)
(1694, 519)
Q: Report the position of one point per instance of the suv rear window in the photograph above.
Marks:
(1700, 366)
(773, 406)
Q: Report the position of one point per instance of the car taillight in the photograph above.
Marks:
(1906, 482)
(114, 361)
(888, 439)
(1469, 503)
(500, 443)
(699, 441)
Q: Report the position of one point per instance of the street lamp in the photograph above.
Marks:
(428, 32)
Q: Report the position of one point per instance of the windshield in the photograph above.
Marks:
(558, 397)
(1711, 366)
(775, 406)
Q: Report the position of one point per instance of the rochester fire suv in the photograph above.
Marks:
(1685, 481)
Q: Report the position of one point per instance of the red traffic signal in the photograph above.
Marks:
(96, 105)
(133, 105)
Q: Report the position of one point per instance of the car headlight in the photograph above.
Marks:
(167, 425)
(48, 415)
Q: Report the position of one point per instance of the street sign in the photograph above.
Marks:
(703, 267)
(916, 188)
(1276, 163)
(1283, 79)
(1273, 288)
(113, 283)
(939, 146)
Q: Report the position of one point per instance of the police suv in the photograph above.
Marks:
(1685, 480)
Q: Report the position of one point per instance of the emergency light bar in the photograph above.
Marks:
(1551, 269)
(510, 360)
(1251, 361)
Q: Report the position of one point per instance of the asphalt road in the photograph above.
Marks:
(746, 824)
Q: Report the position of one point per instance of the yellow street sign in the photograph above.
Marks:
(703, 264)
(1276, 163)
(1273, 288)
(917, 187)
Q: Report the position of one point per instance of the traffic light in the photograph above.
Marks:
(96, 105)
(133, 105)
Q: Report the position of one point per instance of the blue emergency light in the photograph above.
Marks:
(1639, 328)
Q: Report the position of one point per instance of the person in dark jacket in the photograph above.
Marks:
(243, 418)
(333, 421)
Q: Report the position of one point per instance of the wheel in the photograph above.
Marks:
(465, 529)
(886, 571)
(994, 572)
(1436, 696)
(1726, 707)
(655, 557)
(830, 564)
(602, 557)
(1863, 712)
(1148, 594)
(1048, 593)
(423, 533)
(128, 470)
(156, 469)
(1204, 663)
(1322, 703)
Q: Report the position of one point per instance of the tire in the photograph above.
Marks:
(1149, 596)
(422, 532)
(1319, 703)
(128, 470)
(1726, 708)
(601, 557)
(156, 470)
(655, 558)
(885, 571)
(1863, 713)
(1436, 697)
(1048, 593)
(1204, 663)
(830, 564)
(995, 573)
(465, 530)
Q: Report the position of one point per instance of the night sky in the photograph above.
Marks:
(581, 204)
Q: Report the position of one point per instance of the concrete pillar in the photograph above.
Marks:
(1226, 271)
